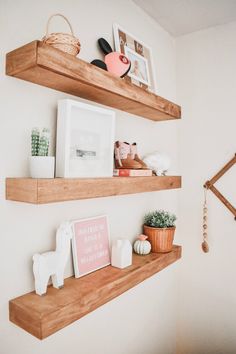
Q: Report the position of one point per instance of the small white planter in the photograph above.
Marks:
(121, 255)
(42, 166)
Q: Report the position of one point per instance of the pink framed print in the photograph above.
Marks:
(90, 245)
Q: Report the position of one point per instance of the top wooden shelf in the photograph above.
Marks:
(41, 64)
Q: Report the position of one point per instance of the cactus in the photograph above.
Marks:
(35, 134)
(40, 142)
(44, 142)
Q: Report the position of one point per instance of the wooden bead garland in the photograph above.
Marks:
(205, 246)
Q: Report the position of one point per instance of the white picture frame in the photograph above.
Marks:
(126, 44)
(85, 140)
(139, 67)
(90, 244)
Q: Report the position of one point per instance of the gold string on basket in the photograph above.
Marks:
(205, 246)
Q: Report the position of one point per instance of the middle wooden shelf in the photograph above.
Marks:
(42, 191)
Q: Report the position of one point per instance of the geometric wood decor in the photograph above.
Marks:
(210, 185)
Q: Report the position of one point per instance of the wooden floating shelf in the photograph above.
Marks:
(44, 65)
(41, 191)
(43, 316)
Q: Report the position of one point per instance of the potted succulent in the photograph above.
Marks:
(41, 165)
(159, 226)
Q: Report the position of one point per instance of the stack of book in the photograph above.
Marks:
(126, 172)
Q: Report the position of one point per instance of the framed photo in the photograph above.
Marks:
(85, 140)
(142, 70)
(90, 245)
(139, 70)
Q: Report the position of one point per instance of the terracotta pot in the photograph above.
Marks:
(161, 239)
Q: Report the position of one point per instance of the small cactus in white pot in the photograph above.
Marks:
(41, 165)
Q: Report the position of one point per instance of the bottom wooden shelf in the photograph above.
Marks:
(43, 316)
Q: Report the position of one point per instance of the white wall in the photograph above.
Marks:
(142, 320)
(206, 77)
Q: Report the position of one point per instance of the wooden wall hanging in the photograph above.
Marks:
(210, 185)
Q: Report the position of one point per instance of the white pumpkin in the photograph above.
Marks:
(142, 246)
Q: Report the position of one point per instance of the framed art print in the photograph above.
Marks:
(85, 140)
(142, 70)
(90, 245)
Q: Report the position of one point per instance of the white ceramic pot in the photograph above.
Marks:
(121, 254)
(42, 166)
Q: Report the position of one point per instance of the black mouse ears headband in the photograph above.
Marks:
(105, 46)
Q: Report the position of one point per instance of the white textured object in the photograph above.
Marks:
(42, 166)
(142, 246)
(158, 162)
(53, 263)
(121, 255)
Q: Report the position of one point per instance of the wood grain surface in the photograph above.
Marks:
(44, 315)
(44, 65)
(41, 191)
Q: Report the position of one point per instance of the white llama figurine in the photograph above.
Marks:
(53, 263)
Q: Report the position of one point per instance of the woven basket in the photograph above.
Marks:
(161, 239)
(65, 42)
